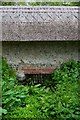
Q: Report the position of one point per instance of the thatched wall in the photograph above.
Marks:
(40, 23)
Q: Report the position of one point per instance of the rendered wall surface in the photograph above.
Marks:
(39, 23)
(41, 54)
(39, 36)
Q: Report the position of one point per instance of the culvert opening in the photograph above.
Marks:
(33, 79)
(33, 76)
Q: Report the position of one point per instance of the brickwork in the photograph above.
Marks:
(37, 70)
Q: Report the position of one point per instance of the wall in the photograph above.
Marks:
(51, 23)
(45, 36)
(39, 54)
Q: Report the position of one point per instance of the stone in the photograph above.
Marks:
(20, 75)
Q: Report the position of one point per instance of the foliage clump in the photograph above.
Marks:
(66, 99)
(22, 3)
(12, 94)
(40, 101)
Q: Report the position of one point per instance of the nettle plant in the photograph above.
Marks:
(67, 72)
(12, 94)
(66, 98)
(62, 101)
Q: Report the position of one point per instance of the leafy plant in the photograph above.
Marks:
(66, 99)
(12, 94)
(23, 3)
(40, 101)
(34, 104)
(69, 71)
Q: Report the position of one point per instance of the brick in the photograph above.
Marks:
(38, 70)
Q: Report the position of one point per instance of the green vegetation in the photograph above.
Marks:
(0, 85)
(55, 4)
(12, 94)
(37, 101)
(40, 3)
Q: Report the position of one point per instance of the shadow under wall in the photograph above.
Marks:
(40, 53)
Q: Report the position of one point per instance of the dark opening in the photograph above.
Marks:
(33, 79)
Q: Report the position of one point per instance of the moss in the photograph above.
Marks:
(40, 3)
